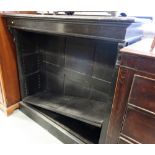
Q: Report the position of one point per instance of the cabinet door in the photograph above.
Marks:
(139, 126)
(139, 122)
(142, 94)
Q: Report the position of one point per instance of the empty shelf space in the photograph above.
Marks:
(85, 110)
(85, 132)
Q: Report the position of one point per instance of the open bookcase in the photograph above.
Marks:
(67, 69)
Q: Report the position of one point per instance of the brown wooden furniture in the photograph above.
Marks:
(9, 86)
(132, 118)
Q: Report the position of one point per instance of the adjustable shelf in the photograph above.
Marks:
(85, 110)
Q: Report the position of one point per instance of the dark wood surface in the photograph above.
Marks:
(70, 56)
(113, 29)
(90, 18)
(132, 115)
(85, 110)
(122, 90)
(78, 70)
(143, 93)
(8, 66)
(139, 126)
(49, 125)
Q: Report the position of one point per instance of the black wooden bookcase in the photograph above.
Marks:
(68, 68)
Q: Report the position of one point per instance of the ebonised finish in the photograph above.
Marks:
(118, 29)
(68, 66)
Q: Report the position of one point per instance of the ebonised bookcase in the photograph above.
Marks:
(68, 68)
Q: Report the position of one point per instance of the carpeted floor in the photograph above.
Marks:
(20, 129)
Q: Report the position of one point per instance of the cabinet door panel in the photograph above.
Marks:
(139, 126)
(143, 93)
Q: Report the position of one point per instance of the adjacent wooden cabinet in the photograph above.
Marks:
(9, 86)
(133, 113)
